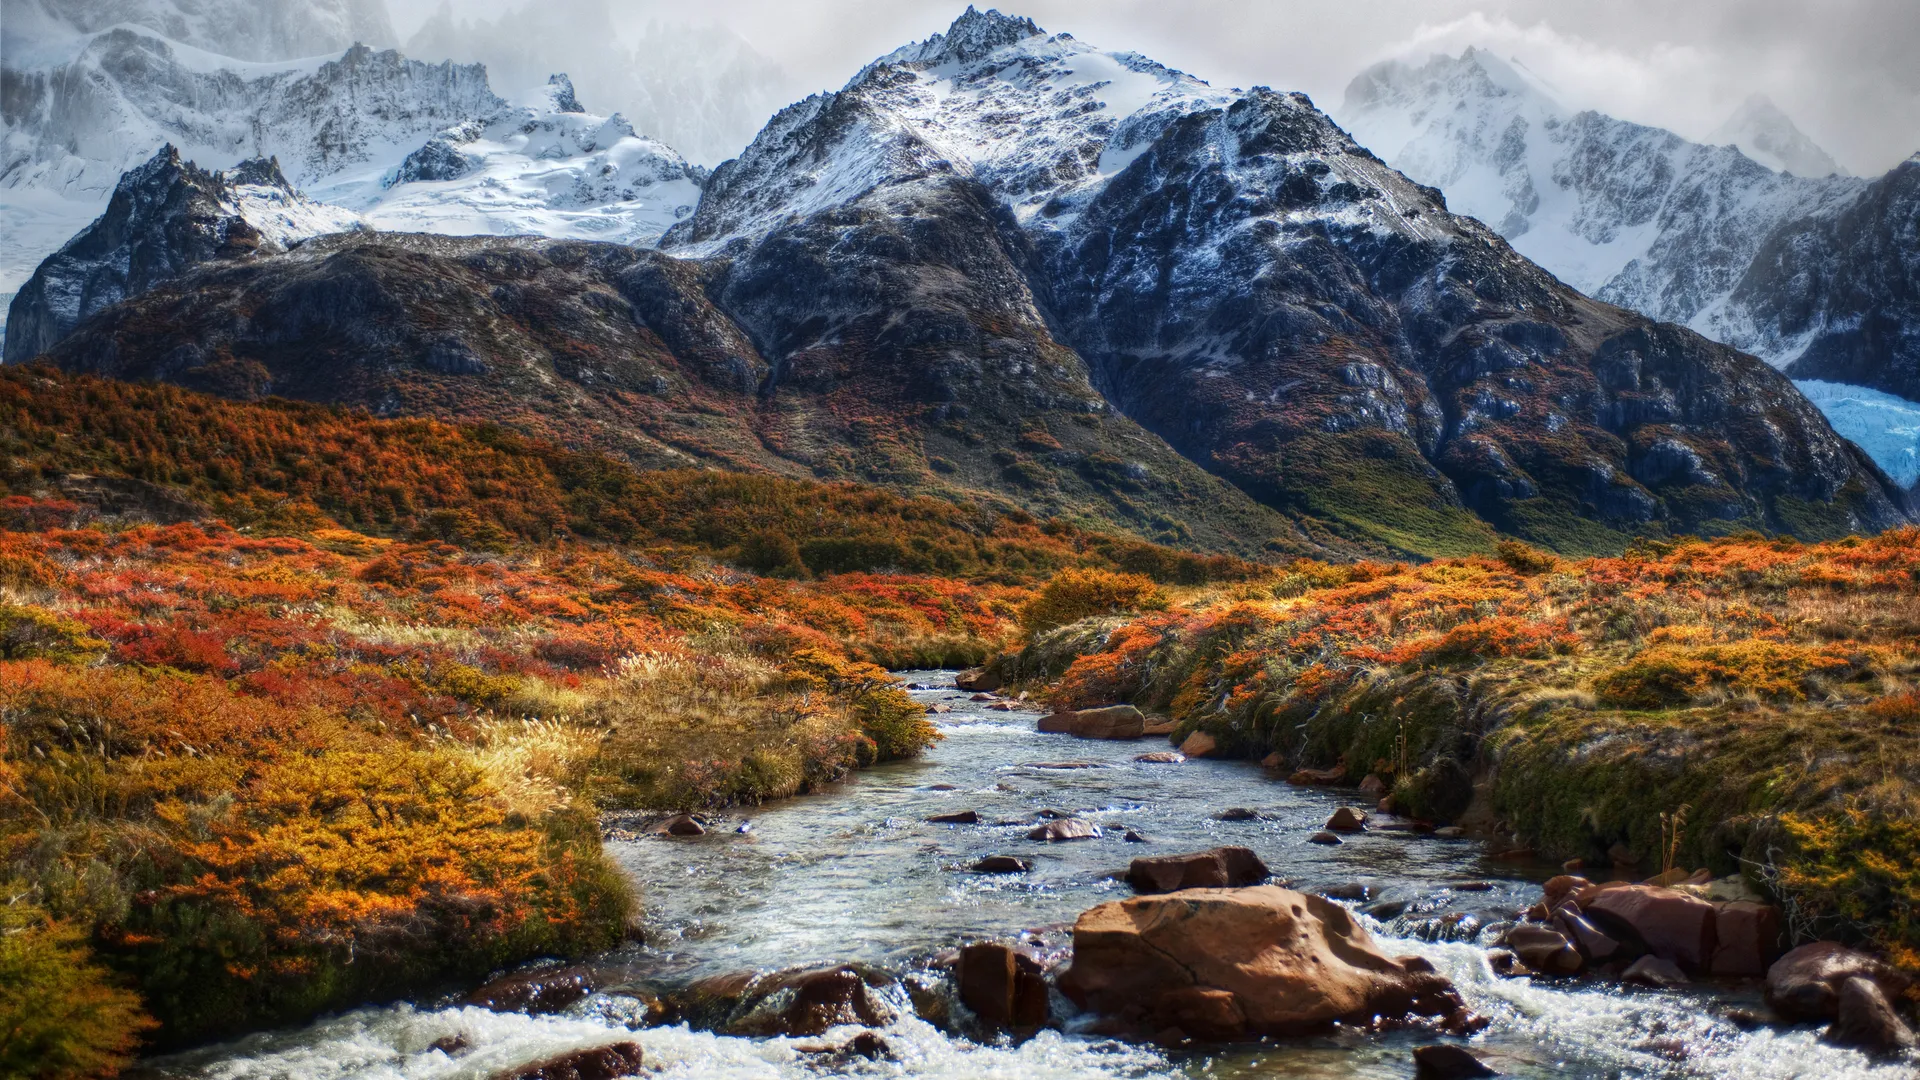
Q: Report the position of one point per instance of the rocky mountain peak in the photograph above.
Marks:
(975, 34)
(165, 216)
(561, 89)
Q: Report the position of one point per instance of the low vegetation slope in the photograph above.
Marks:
(1761, 691)
(301, 708)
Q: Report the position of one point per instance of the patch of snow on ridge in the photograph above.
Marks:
(549, 168)
(1885, 426)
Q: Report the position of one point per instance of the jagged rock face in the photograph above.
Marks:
(1248, 283)
(933, 376)
(1848, 283)
(165, 217)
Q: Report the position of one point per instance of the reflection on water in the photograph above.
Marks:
(857, 873)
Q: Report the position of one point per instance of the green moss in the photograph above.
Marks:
(1375, 487)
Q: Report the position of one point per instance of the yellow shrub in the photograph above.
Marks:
(1072, 595)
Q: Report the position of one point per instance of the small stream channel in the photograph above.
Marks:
(857, 874)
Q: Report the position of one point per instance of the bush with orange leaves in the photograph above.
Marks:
(272, 776)
(1768, 684)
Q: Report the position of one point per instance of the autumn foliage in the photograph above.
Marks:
(1769, 685)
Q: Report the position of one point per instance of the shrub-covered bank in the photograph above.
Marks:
(263, 777)
(1765, 686)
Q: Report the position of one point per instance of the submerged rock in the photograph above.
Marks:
(1444, 1061)
(600, 1063)
(1000, 864)
(1225, 964)
(959, 817)
(1068, 829)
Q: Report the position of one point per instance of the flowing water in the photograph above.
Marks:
(857, 874)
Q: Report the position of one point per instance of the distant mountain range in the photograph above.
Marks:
(1008, 265)
(1814, 271)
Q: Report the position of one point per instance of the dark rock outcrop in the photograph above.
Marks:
(165, 217)
(1849, 282)
(542, 990)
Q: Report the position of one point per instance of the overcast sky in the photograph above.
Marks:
(1847, 71)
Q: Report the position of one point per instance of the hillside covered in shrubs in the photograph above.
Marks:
(1764, 692)
(303, 708)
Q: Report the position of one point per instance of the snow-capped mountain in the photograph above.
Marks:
(411, 145)
(700, 89)
(1011, 265)
(1631, 214)
(165, 217)
(1760, 130)
(545, 169)
(1813, 272)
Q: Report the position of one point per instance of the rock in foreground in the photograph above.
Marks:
(1227, 964)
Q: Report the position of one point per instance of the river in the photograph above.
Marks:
(857, 874)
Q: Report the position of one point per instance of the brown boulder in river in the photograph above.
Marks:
(1672, 924)
(1111, 722)
(1805, 983)
(600, 1063)
(1226, 964)
(544, 990)
(788, 1003)
(1219, 868)
(1867, 1020)
(977, 679)
(1002, 987)
(1199, 744)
